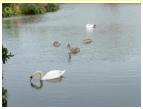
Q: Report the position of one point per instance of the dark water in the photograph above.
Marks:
(105, 72)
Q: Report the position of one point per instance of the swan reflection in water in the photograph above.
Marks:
(40, 84)
(69, 57)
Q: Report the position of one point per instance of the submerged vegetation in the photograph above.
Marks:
(15, 9)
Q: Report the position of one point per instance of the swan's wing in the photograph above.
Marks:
(53, 74)
(62, 72)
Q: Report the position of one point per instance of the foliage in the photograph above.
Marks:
(5, 55)
(32, 9)
(7, 12)
(52, 7)
(14, 9)
(4, 97)
(6, 5)
(9, 9)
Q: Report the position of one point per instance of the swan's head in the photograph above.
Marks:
(31, 77)
(35, 73)
(90, 26)
(94, 26)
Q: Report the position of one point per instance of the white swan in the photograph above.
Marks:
(90, 26)
(53, 74)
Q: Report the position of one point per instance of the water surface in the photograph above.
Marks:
(105, 72)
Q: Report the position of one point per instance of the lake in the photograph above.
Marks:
(106, 72)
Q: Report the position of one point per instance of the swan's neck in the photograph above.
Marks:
(41, 75)
(36, 86)
(38, 73)
(68, 46)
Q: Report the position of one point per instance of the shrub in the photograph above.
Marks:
(51, 7)
(5, 55)
(40, 9)
(6, 5)
(10, 9)
(4, 97)
(14, 9)
(7, 12)
(32, 9)
(17, 10)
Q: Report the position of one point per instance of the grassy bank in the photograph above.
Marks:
(12, 9)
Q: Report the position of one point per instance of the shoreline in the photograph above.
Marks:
(15, 9)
